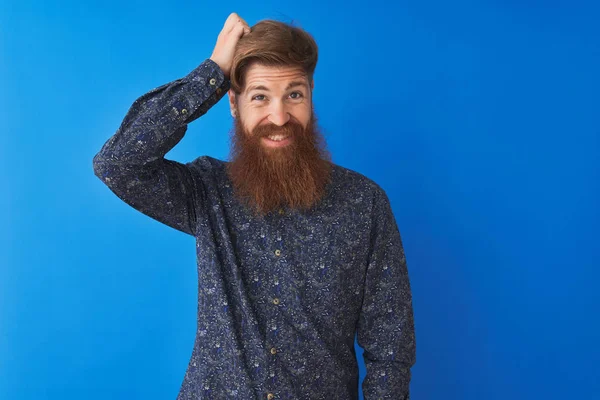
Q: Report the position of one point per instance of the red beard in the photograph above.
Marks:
(265, 178)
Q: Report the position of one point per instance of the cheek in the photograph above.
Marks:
(303, 116)
(251, 124)
(248, 119)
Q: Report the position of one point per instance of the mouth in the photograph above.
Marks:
(277, 140)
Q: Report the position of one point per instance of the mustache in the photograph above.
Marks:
(290, 128)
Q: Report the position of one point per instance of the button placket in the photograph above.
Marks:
(273, 324)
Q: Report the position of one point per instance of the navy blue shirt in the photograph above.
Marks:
(280, 296)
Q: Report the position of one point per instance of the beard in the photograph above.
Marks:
(265, 178)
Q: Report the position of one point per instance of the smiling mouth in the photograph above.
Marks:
(277, 140)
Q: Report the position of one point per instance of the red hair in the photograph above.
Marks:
(273, 43)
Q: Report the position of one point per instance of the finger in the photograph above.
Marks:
(238, 30)
(231, 22)
(242, 24)
(247, 28)
(240, 21)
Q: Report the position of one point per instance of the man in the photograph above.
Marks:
(296, 255)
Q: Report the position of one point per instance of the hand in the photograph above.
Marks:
(235, 27)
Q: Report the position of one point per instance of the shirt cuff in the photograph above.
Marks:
(209, 75)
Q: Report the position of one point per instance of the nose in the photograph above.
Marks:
(278, 114)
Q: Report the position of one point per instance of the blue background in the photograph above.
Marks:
(479, 119)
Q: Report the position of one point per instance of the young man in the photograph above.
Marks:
(296, 255)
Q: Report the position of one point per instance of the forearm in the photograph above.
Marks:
(157, 120)
(389, 346)
(386, 380)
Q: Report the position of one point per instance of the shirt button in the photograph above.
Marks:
(273, 350)
(278, 252)
(281, 211)
(275, 300)
(270, 396)
(184, 111)
(212, 81)
(218, 90)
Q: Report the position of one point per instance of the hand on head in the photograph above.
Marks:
(235, 27)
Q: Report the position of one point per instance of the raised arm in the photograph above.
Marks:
(132, 163)
(385, 328)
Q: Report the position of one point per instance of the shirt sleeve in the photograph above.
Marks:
(132, 163)
(385, 327)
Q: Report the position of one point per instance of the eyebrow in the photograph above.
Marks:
(289, 86)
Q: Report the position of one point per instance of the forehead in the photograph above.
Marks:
(273, 77)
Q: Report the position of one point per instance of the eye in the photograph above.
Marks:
(257, 97)
(299, 95)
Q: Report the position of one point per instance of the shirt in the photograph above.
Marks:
(282, 296)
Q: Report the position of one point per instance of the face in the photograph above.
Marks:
(278, 156)
(273, 96)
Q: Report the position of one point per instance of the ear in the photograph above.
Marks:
(232, 103)
(312, 84)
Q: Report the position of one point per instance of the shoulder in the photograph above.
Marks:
(357, 188)
(354, 181)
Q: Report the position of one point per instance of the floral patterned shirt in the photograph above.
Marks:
(282, 297)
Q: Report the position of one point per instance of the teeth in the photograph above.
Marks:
(277, 138)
